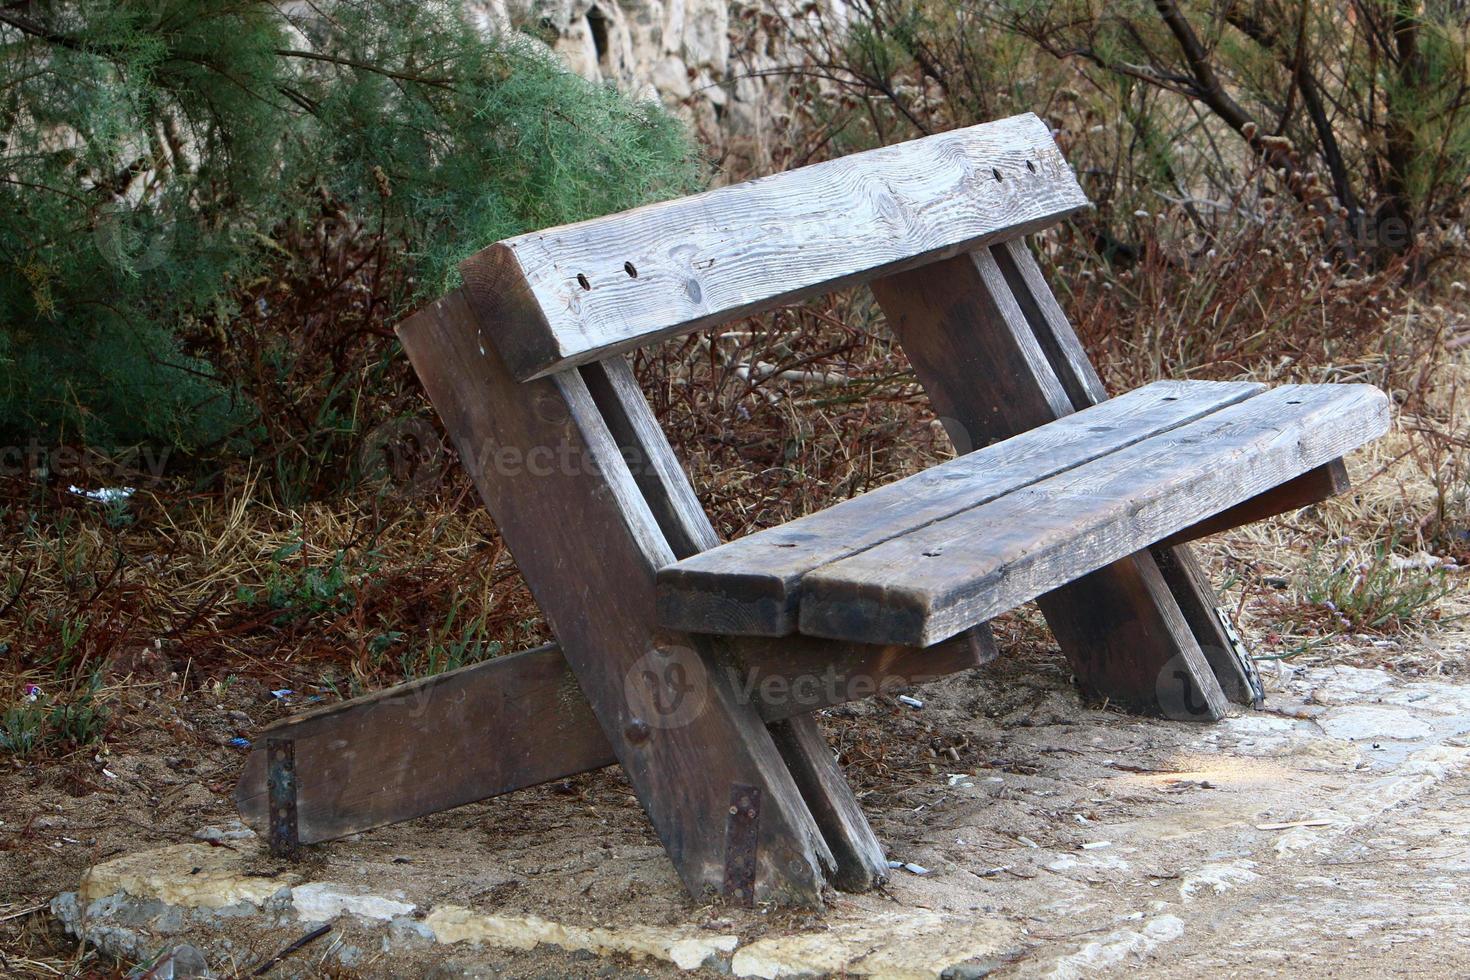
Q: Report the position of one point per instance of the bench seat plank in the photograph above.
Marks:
(930, 583)
(752, 586)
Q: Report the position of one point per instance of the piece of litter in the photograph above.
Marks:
(109, 774)
(916, 869)
(1293, 823)
(1081, 818)
(283, 693)
(911, 702)
(959, 779)
(106, 495)
(991, 871)
(240, 743)
(1096, 845)
(32, 692)
(895, 864)
(1027, 841)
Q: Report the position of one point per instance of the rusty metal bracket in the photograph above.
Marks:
(280, 780)
(741, 837)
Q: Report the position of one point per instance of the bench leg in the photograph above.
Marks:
(566, 503)
(1182, 573)
(990, 377)
(687, 529)
(1201, 608)
(861, 864)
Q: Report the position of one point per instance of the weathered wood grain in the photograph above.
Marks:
(861, 861)
(1312, 487)
(420, 747)
(1181, 572)
(566, 296)
(752, 585)
(986, 373)
(968, 568)
(588, 546)
(423, 747)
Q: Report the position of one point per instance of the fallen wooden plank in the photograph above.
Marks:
(566, 296)
(938, 580)
(752, 586)
(521, 720)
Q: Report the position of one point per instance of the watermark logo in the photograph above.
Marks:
(139, 466)
(1178, 697)
(667, 687)
(405, 456)
(126, 240)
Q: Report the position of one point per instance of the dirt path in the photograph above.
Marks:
(1053, 840)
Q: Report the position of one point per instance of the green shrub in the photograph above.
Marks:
(39, 722)
(156, 154)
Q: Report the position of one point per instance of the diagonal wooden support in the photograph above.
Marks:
(421, 747)
(989, 377)
(554, 480)
(1182, 573)
(860, 861)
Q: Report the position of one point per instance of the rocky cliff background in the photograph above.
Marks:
(719, 64)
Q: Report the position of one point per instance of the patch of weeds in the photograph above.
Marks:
(39, 722)
(1379, 593)
(301, 590)
(450, 648)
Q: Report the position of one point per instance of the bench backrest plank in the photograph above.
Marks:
(566, 296)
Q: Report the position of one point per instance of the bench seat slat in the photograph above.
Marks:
(930, 583)
(565, 296)
(752, 585)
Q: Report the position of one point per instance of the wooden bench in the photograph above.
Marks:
(695, 664)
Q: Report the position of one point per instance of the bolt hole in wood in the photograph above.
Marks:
(631, 270)
(996, 172)
(1031, 166)
(582, 281)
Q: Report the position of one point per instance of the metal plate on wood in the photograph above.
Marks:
(280, 761)
(1241, 654)
(741, 835)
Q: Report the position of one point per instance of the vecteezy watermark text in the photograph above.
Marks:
(130, 463)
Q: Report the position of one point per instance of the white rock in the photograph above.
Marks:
(1116, 947)
(322, 901)
(899, 945)
(685, 948)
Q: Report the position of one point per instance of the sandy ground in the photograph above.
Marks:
(1055, 840)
